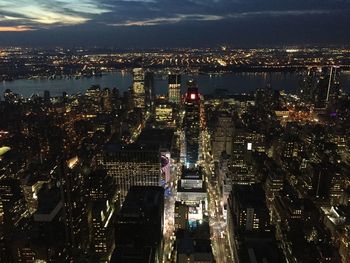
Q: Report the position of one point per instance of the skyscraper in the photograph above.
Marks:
(73, 183)
(149, 90)
(327, 88)
(308, 84)
(138, 88)
(101, 191)
(47, 96)
(139, 226)
(192, 123)
(174, 93)
(132, 165)
(223, 136)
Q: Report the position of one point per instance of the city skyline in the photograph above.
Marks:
(175, 131)
(165, 23)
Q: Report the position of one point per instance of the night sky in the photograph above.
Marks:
(174, 23)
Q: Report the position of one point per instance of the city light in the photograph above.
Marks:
(130, 133)
(72, 162)
(4, 149)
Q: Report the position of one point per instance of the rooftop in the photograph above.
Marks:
(249, 195)
(142, 201)
(161, 137)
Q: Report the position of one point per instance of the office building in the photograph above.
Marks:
(48, 234)
(138, 88)
(174, 85)
(131, 165)
(327, 88)
(164, 115)
(73, 181)
(222, 139)
(101, 229)
(139, 226)
(101, 214)
(149, 90)
(14, 205)
(192, 123)
(247, 207)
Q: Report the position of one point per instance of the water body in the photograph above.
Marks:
(233, 82)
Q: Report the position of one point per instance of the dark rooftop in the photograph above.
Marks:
(142, 201)
(48, 199)
(161, 137)
(250, 195)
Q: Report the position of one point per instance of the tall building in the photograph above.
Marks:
(149, 90)
(132, 165)
(13, 210)
(138, 88)
(101, 215)
(263, 98)
(223, 136)
(47, 96)
(49, 236)
(327, 88)
(307, 85)
(73, 183)
(11, 97)
(13, 201)
(94, 98)
(164, 116)
(139, 226)
(174, 93)
(101, 228)
(242, 148)
(192, 123)
(248, 209)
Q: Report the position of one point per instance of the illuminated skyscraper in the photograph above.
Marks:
(192, 123)
(101, 216)
(73, 183)
(138, 88)
(174, 93)
(101, 191)
(327, 88)
(132, 165)
(149, 90)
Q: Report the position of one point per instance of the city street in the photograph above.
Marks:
(168, 227)
(169, 207)
(217, 223)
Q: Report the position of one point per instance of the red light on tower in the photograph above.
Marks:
(193, 96)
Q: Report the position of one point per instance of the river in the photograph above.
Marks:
(233, 82)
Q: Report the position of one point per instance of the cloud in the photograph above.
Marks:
(169, 20)
(25, 15)
(279, 13)
(43, 16)
(56, 12)
(20, 28)
(180, 18)
(85, 6)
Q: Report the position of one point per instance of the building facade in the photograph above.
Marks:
(174, 84)
(192, 123)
